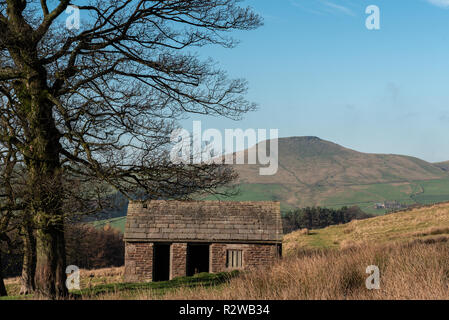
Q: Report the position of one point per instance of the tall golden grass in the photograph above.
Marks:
(417, 270)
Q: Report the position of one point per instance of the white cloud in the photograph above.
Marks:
(323, 7)
(338, 7)
(440, 3)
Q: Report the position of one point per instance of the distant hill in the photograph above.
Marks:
(315, 172)
(311, 162)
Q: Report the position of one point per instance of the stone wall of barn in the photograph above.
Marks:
(138, 262)
(178, 260)
(139, 258)
(254, 255)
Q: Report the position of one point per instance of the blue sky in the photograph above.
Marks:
(315, 70)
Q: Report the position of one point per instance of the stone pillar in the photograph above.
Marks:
(217, 258)
(178, 260)
(138, 262)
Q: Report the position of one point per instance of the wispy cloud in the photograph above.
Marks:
(338, 8)
(440, 3)
(323, 7)
(302, 6)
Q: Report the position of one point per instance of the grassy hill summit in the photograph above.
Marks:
(312, 162)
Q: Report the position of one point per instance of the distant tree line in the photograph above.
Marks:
(86, 247)
(91, 248)
(317, 217)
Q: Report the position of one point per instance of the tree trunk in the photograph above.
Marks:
(29, 258)
(45, 183)
(41, 151)
(50, 274)
(50, 267)
(3, 292)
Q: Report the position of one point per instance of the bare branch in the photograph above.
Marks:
(44, 7)
(10, 74)
(49, 18)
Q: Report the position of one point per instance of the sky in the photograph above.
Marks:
(314, 69)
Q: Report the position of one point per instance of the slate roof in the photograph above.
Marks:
(204, 221)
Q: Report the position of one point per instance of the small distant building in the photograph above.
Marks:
(379, 206)
(393, 205)
(168, 239)
(390, 205)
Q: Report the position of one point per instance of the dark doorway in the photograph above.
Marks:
(161, 262)
(197, 258)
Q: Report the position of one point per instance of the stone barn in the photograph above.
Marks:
(168, 239)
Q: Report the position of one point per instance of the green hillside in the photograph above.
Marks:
(364, 196)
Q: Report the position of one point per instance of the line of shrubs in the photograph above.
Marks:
(317, 217)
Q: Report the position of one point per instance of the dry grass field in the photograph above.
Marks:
(407, 271)
(415, 270)
(417, 224)
(88, 279)
(410, 248)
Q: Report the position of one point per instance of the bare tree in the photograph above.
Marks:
(99, 103)
(9, 207)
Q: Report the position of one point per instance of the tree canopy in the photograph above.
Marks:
(97, 104)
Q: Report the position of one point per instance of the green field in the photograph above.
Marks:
(364, 196)
(257, 192)
(433, 191)
(116, 223)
